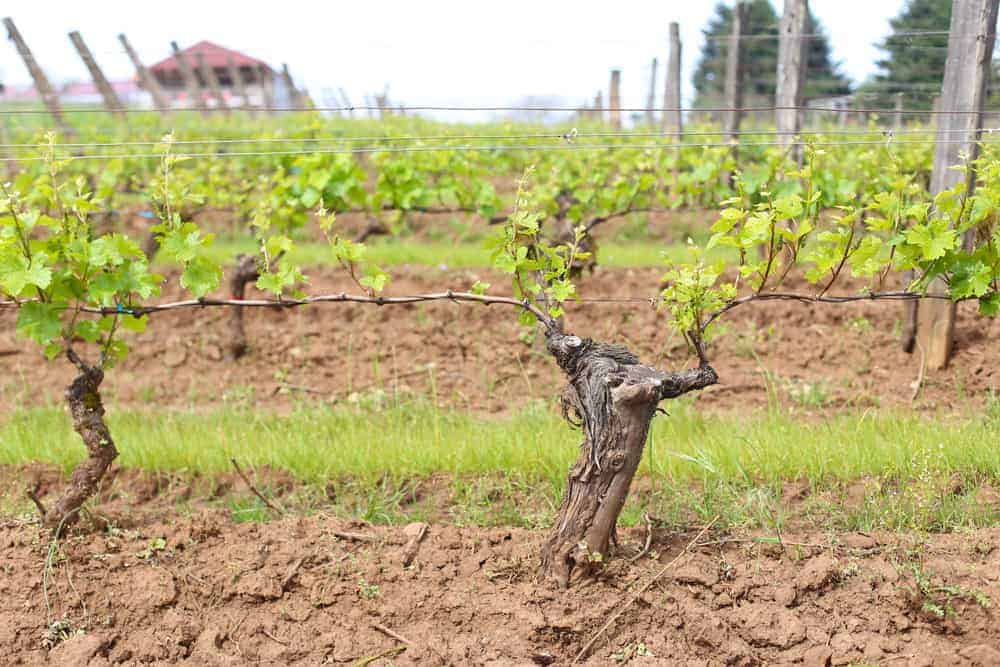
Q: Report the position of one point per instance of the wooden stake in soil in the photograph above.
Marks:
(190, 80)
(236, 74)
(267, 88)
(734, 75)
(615, 99)
(208, 76)
(791, 71)
(294, 97)
(966, 73)
(111, 100)
(148, 81)
(672, 119)
(651, 98)
(49, 96)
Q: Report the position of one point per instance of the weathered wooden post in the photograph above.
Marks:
(672, 118)
(897, 118)
(959, 125)
(208, 76)
(190, 80)
(615, 99)
(42, 85)
(146, 77)
(791, 71)
(651, 98)
(734, 75)
(267, 88)
(294, 97)
(111, 100)
(346, 101)
(236, 74)
(599, 106)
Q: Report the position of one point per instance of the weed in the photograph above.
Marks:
(368, 591)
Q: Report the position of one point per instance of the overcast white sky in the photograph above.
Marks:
(446, 52)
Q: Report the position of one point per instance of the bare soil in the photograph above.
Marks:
(139, 582)
(158, 588)
(812, 357)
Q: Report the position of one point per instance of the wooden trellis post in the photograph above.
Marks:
(651, 98)
(615, 99)
(48, 94)
(734, 75)
(190, 80)
(791, 71)
(111, 100)
(672, 118)
(146, 77)
(294, 97)
(236, 74)
(267, 88)
(959, 125)
(346, 101)
(208, 75)
(897, 118)
(599, 106)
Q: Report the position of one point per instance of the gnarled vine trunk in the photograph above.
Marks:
(87, 410)
(246, 272)
(615, 398)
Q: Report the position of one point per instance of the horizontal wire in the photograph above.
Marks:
(889, 141)
(553, 109)
(501, 137)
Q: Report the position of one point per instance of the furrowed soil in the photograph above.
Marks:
(138, 582)
(153, 587)
(474, 357)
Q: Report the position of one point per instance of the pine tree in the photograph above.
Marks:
(915, 54)
(760, 56)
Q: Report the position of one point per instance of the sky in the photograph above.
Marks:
(431, 52)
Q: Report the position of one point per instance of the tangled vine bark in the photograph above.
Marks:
(614, 398)
(87, 411)
(246, 272)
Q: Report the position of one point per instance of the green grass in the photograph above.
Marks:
(699, 465)
(394, 252)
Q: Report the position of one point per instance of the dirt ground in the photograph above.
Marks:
(155, 587)
(469, 356)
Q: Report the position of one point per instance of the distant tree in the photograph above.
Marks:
(914, 60)
(760, 56)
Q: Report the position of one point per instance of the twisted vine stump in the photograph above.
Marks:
(615, 398)
(87, 411)
(246, 272)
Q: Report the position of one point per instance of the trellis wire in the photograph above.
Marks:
(888, 141)
(552, 109)
(498, 137)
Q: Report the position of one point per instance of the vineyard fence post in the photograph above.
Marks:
(111, 100)
(672, 120)
(734, 80)
(146, 77)
(615, 99)
(959, 125)
(791, 71)
(45, 90)
(236, 74)
(208, 75)
(651, 98)
(190, 80)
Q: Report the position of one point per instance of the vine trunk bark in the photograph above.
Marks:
(87, 411)
(246, 272)
(614, 397)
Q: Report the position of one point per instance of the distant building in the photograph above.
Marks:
(254, 72)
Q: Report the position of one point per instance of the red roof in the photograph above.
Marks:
(215, 56)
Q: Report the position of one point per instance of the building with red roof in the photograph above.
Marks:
(254, 72)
